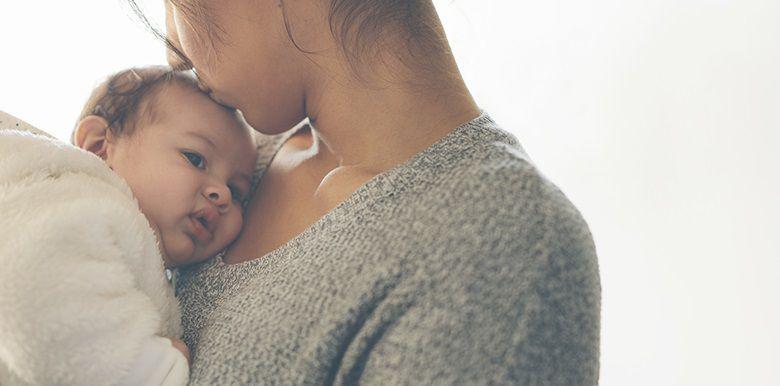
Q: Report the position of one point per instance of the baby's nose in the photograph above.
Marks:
(220, 197)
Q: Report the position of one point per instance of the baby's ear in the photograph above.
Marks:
(92, 135)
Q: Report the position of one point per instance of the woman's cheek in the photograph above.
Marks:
(172, 35)
(189, 41)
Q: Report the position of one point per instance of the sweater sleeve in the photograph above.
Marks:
(523, 307)
(158, 363)
(9, 122)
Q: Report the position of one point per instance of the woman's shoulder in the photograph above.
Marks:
(491, 208)
(483, 179)
(483, 161)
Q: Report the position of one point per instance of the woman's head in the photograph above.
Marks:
(266, 57)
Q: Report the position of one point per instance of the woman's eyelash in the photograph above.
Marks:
(195, 159)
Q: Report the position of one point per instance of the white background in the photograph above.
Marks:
(659, 119)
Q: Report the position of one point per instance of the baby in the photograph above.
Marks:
(85, 240)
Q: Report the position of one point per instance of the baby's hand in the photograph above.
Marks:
(181, 346)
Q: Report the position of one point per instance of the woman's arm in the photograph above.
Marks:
(546, 333)
(517, 304)
(10, 122)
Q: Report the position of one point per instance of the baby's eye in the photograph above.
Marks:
(195, 159)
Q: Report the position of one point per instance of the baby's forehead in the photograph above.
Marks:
(193, 111)
(185, 111)
(231, 141)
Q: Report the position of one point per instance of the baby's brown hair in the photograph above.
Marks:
(127, 98)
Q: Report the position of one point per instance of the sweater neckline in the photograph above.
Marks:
(391, 181)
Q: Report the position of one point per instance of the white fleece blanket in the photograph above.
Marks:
(82, 284)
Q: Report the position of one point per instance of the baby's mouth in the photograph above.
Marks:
(200, 229)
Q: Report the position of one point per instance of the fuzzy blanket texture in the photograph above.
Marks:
(82, 283)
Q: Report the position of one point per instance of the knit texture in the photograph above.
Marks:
(462, 265)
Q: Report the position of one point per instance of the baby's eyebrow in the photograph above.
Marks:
(204, 138)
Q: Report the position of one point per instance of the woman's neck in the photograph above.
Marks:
(377, 128)
(401, 96)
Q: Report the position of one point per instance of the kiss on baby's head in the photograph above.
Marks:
(187, 159)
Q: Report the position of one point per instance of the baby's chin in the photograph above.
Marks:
(192, 256)
(181, 254)
(181, 250)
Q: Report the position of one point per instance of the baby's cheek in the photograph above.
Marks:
(233, 226)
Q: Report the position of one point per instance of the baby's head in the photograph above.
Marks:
(187, 159)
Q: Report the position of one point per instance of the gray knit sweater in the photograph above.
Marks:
(463, 265)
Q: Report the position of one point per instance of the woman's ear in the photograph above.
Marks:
(92, 135)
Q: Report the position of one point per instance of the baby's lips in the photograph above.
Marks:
(200, 233)
(209, 214)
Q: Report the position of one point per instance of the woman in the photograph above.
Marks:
(402, 237)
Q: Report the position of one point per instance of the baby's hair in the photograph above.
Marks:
(127, 98)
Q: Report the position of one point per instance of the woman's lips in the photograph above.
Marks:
(200, 232)
(219, 101)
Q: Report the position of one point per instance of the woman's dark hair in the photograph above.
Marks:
(126, 98)
(359, 26)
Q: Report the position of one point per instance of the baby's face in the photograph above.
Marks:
(190, 171)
